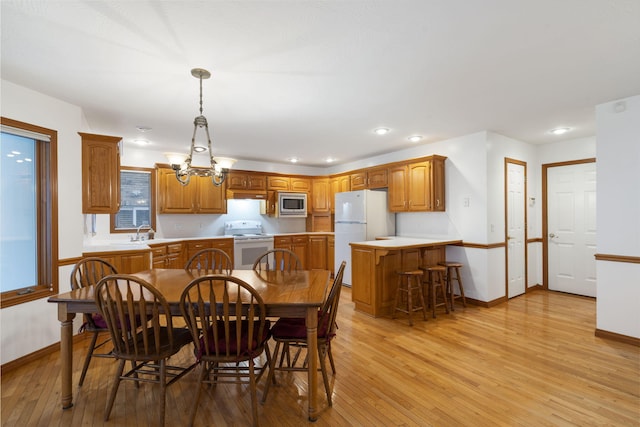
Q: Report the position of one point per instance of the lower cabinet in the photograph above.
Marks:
(317, 253)
(374, 274)
(167, 255)
(193, 246)
(331, 250)
(298, 244)
(125, 262)
(176, 254)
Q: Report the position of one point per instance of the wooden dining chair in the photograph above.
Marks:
(210, 261)
(146, 336)
(227, 320)
(86, 273)
(277, 259)
(292, 332)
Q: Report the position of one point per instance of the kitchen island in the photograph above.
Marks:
(375, 265)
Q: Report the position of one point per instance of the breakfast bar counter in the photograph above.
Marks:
(375, 264)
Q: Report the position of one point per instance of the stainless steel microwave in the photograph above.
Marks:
(292, 205)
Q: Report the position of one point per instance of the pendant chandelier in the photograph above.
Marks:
(181, 163)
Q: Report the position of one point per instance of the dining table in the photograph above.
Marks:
(298, 293)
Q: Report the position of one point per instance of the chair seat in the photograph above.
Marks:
(181, 337)
(100, 325)
(242, 352)
(291, 328)
(97, 324)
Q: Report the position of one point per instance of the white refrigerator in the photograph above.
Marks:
(359, 216)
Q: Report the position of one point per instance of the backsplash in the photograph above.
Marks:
(185, 226)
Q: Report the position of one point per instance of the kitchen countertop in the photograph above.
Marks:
(397, 242)
(125, 245)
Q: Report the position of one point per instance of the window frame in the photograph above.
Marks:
(152, 204)
(47, 218)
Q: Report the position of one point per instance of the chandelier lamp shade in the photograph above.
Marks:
(181, 163)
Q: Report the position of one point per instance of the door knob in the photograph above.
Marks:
(552, 235)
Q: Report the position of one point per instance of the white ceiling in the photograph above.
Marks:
(312, 79)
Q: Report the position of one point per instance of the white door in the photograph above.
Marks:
(516, 228)
(571, 219)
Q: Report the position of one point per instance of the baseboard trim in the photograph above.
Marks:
(487, 304)
(21, 361)
(617, 337)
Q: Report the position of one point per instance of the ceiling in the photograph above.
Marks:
(312, 79)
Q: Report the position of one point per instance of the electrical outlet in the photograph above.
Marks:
(465, 202)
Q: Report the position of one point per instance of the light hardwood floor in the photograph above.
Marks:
(533, 361)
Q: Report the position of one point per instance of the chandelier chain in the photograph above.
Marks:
(181, 164)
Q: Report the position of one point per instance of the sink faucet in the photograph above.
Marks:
(137, 238)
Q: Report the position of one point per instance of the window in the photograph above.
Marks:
(137, 201)
(28, 212)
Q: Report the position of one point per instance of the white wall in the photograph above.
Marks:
(34, 325)
(618, 215)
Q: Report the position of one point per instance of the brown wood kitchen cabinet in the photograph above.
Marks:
(331, 250)
(317, 252)
(397, 195)
(167, 255)
(277, 183)
(320, 195)
(243, 180)
(297, 243)
(125, 262)
(374, 270)
(199, 196)
(369, 179)
(193, 246)
(295, 184)
(417, 186)
(100, 173)
(338, 184)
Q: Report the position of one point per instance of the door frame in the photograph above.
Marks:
(545, 214)
(508, 160)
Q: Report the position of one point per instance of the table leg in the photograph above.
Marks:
(312, 351)
(66, 354)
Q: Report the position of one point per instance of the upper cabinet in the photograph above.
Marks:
(338, 184)
(369, 179)
(320, 200)
(240, 180)
(417, 186)
(278, 183)
(199, 196)
(100, 173)
(288, 183)
(397, 197)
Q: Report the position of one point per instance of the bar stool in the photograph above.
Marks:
(454, 267)
(408, 283)
(435, 281)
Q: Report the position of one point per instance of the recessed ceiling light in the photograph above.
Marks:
(199, 149)
(142, 141)
(143, 128)
(294, 160)
(559, 131)
(330, 160)
(415, 138)
(381, 131)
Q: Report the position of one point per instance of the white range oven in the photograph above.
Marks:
(249, 242)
